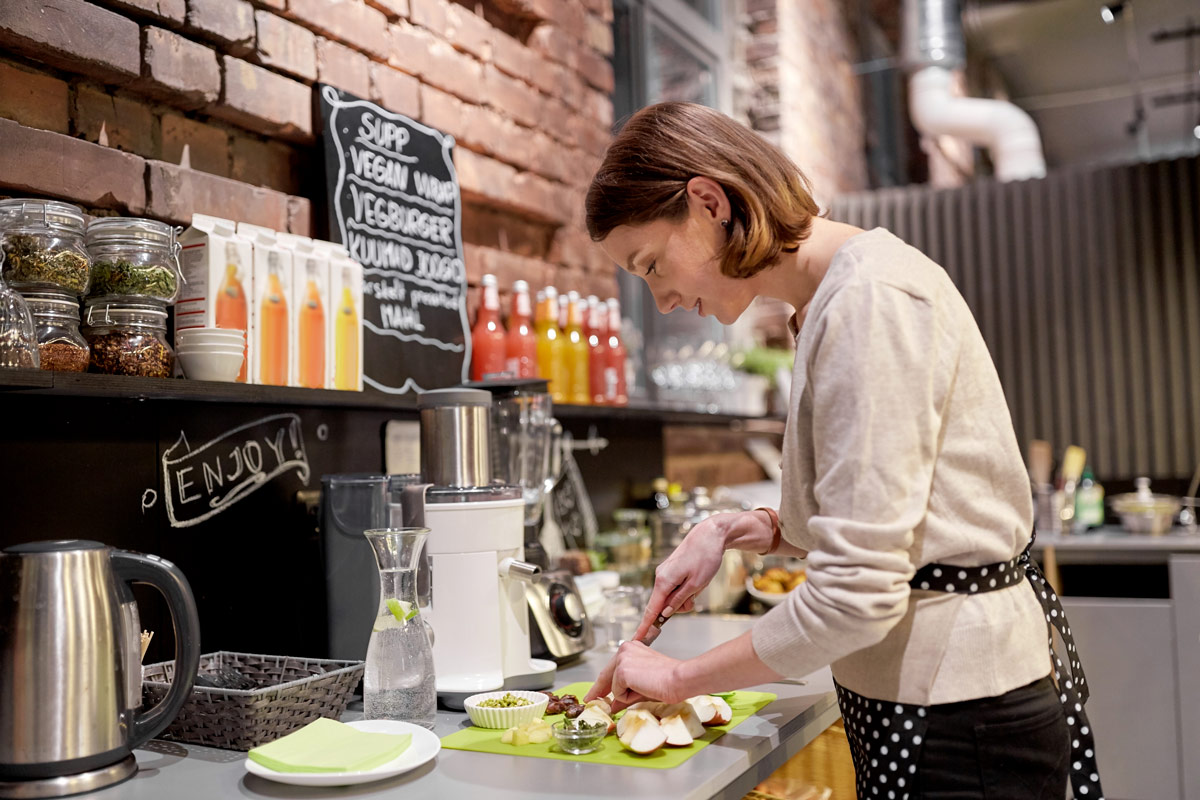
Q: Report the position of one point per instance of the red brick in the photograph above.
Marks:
(34, 99)
(172, 11)
(513, 98)
(278, 5)
(574, 90)
(599, 35)
(551, 42)
(178, 70)
(483, 178)
(115, 121)
(264, 163)
(265, 102)
(512, 57)
(392, 9)
(442, 111)
(468, 31)
(207, 145)
(407, 47)
(299, 216)
(45, 163)
(571, 17)
(286, 46)
(396, 90)
(540, 196)
(599, 107)
(569, 247)
(73, 35)
(596, 70)
(454, 72)
(349, 21)
(547, 77)
(507, 267)
(590, 135)
(344, 68)
(176, 193)
(560, 121)
(430, 15)
(230, 22)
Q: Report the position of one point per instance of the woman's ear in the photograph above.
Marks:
(707, 197)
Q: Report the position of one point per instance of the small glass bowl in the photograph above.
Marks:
(578, 738)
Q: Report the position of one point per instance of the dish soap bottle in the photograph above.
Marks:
(1089, 502)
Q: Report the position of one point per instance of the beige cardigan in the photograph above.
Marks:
(899, 451)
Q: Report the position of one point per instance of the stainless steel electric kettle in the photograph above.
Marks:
(70, 674)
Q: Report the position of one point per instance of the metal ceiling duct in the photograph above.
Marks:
(933, 46)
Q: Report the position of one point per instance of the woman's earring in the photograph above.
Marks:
(724, 223)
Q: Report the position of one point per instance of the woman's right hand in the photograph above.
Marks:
(690, 567)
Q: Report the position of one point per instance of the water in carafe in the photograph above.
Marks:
(399, 682)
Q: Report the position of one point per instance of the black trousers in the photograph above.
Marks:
(1012, 747)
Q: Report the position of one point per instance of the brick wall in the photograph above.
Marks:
(162, 108)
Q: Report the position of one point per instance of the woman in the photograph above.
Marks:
(902, 480)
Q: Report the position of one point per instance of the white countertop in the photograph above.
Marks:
(727, 768)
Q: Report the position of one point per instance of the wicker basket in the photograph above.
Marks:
(291, 693)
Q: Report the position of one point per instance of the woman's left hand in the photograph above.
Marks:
(638, 673)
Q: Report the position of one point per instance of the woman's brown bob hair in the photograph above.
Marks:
(647, 167)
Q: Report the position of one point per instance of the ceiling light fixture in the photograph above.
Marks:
(1111, 12)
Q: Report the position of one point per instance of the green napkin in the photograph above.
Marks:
(326, 745)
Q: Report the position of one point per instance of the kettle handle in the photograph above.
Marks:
(170, 582)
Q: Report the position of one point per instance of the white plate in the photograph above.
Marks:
(424, 746)
(770, 598)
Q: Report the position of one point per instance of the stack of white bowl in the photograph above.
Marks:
(210, 354)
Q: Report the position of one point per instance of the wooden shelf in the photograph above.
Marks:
(125, 387)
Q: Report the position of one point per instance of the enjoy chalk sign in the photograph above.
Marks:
(394, 203)
(202, 481)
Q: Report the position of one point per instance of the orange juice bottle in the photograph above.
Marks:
(345, 335)
(597, 332)
(273, 328)
(550, 351)
(231, 311)
(577, 352)
(615, 391)
(311, 332)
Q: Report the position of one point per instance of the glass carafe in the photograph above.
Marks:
(399, 681)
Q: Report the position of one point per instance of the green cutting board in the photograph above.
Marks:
(487, 740)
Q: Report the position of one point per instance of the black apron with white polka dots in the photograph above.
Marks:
(885, 738)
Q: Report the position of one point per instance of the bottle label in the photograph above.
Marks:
(610, 383)
(513, 365)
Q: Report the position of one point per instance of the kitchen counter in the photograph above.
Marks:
(728, 768)
(1113, 544)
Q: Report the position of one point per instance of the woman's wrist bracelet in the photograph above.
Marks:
(773, 515)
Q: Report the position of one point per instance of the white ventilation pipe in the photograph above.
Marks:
(934, 46)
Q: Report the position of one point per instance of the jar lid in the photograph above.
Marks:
(99, 312)
(63, 303)
(20, 212)
(127, 230)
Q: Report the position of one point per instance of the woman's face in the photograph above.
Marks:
(678, 261)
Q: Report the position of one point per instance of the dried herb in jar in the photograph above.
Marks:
(63, 356)
(29, 261)
(122, 277)
(129, 353)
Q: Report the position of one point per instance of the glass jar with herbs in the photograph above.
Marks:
(133, 259)
(128, 338)
(56, 325)
(43, 245)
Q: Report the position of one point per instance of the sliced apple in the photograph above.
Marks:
(704, 707)
(653, 706)
(631, 714)
(676, 730)
(596, 715)
(724, 712)
(643, 734)
(687, 715)
(601, 704)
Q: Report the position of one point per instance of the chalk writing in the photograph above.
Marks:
(203, 481)
(394, 203)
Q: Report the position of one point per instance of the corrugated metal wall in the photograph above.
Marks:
(1085, 286)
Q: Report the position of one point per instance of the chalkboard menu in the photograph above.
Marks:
(394, 203)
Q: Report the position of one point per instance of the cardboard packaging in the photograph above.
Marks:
(310, 310)
(345, 327)
(217, 282)
(273, 333)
